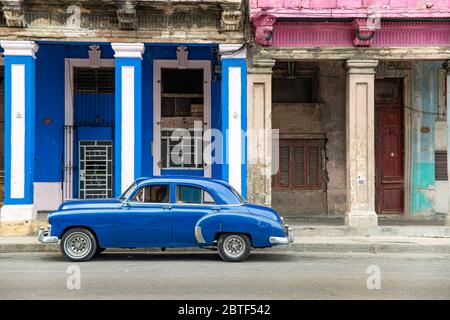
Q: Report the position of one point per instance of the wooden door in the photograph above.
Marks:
(389, 155)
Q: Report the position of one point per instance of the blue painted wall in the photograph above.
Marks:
(50, 105)
(152, 52)
(425, 93)
(50, 101)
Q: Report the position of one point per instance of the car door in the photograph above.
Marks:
(191, 203)
(146, 217)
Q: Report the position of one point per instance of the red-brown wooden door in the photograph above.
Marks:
(389, 150)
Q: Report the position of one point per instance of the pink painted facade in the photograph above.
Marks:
(378, 23)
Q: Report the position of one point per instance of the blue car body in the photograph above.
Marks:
(121, 223)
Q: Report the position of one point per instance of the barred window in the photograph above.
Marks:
(90, 80)
(440, 162)
(300, 165)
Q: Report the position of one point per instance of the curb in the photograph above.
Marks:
(369, 247)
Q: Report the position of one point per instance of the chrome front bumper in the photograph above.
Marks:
(283, 240)
(44, 236)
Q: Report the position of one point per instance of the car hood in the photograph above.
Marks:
(90, 204)
(263, 211)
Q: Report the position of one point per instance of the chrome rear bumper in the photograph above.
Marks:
(283, 240)
(44, 236)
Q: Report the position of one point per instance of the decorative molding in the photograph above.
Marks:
(128, 50)
(94, 56)
(342, 34)
(13, 11)
(361, 66)
(231, 50)
(126, 14)
(231, 20)
(19, 48)
(262, 65)
(263, 24)
(364, 32)
(182, 57)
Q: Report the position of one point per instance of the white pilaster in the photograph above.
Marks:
(128, 129)
(361, 144)
(19, 130)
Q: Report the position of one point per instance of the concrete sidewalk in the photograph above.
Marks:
(302, 244)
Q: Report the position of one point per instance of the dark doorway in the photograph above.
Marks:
(389, 147)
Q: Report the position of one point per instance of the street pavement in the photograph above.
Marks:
(265, 275)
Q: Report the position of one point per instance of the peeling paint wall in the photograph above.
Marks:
(424, 104)
(425, 97)
(326, 119)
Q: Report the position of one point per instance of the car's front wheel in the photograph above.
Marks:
(234, 247)
(78, 244)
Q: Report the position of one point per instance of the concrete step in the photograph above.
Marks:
(383, 231)
(302, 244)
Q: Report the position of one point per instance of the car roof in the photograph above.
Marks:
(220, 188)
(182, 179)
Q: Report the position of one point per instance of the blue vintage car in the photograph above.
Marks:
(166, 212)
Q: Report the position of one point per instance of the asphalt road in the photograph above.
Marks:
(274, 275)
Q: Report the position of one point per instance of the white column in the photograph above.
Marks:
(234, 115)
(361, 144)
(128, 127)
(19, 130)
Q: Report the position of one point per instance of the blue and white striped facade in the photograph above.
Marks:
(39, 107)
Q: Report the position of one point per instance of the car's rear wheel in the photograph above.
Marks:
(234, 247)
(78, 244)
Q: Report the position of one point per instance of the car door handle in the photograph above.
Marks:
(215, 209)
(167, 207)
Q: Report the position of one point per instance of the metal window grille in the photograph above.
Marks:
(441, 166)
(90, 80)
(183, 152)
(95, 167)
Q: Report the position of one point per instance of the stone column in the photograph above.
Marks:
(128, 127)
(19, 129)
(259, 123)
(234, 115)
(360, 144)
(447, 94)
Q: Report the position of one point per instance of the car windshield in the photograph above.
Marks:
(238, 195)
(127, 192)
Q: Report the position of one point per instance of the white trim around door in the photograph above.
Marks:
(156, 145)
(69, 65)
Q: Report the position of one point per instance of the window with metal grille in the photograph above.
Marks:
(94, 80)
(182, 149)
(300, 165)
(440, 163)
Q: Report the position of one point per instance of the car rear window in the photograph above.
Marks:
(194, 195)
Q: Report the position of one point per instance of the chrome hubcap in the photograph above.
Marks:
(234, 246)
(78, 245)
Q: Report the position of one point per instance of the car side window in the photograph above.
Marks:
(194, 195)
(152, 194)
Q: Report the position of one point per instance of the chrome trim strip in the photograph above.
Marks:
(44, 236)
(199, 235)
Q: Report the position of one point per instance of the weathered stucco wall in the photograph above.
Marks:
(425, 97)
(324, 120)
